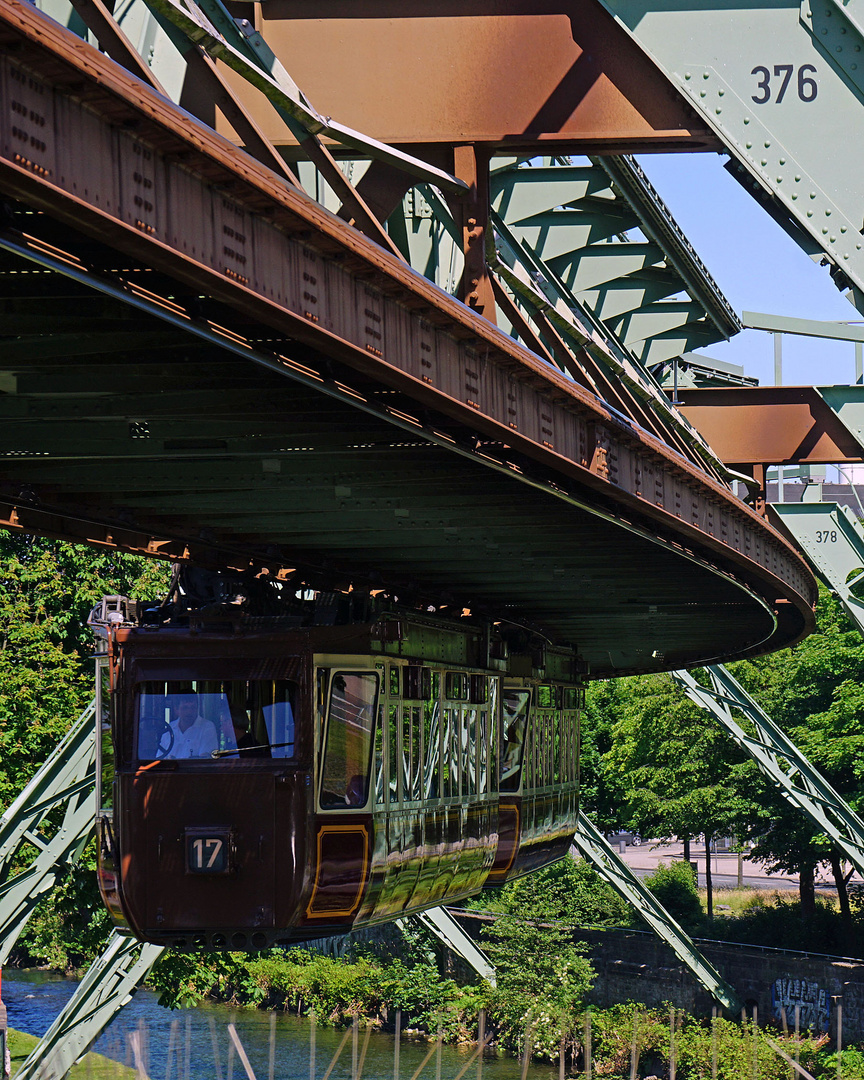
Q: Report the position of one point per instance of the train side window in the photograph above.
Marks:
(482, 752)
(456, 686)
(539, 735)
(411, 755)
(351, 713)
(393, 754)
(469, 751)
(479, 689)
(549, 748)
(417, 683)
(529, 755)
(394, 681)
(445, 754)
(485, 778)
(416, 752)
(515, 708)
(559, 746)
(380, 762)
(432, 746)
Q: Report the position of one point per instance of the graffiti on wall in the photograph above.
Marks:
(813, 1001)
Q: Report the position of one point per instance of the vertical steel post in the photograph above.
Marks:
(472, 166)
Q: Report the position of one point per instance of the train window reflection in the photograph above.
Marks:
(456, 686)
(351, 715)
(222, 719)
(515, 706)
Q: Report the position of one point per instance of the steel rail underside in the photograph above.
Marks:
(429, 443)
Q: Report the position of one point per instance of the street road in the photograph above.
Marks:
(645, 858)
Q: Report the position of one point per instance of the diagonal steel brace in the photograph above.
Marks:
(109, 985)
(68, 776)
(594, 847)
(779, 759)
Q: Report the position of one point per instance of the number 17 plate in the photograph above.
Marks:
(207, 851)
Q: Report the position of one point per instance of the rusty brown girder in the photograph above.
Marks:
(513, 76)
(175, 196)
(752, 426)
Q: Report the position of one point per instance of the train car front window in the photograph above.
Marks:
(351, 715)
(222, 720)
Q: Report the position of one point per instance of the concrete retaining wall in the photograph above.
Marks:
(636, 966)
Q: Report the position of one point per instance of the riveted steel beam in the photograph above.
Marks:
(595, 849)
(779, 84)
(777, 425)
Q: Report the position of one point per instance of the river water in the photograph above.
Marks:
(200, 1047)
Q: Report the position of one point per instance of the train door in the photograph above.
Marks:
(341, 845)
(513, 767)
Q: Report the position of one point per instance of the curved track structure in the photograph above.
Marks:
(261, 385)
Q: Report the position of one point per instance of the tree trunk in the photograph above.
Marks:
(687, 850)
(842, 894)
(807, 889)
(708, 876)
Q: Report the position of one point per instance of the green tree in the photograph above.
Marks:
(674, 885)
(814, 692)
(542, 975)
(47, 589)
(681, 772)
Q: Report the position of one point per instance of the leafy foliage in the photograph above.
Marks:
(674, 885)
(569, 891)
(47, 589)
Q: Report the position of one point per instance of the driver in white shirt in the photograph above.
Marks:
(194, 737)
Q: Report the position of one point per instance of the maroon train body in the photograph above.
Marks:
(261, 785)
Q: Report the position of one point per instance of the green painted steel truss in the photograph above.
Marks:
(65, 780)
(594, 847)
(782, 86)
(778, 758)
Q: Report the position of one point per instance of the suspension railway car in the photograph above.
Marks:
(261, 785)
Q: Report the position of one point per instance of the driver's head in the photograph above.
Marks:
(187, 707)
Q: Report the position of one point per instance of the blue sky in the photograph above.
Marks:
(758, 267)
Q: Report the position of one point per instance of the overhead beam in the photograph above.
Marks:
(571, 77)
(770, 425)
(784, 324)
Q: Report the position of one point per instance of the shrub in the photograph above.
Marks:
(675, 888)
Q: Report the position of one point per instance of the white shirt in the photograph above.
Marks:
(197, 741)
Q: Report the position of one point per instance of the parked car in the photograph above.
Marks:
(631, 839)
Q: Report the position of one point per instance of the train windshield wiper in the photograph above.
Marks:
(248, 749)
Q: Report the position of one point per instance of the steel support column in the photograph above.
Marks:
(594, 847)
(446, 929)
(66, 777)
(109, 985)
(779, 759)
(832, 538)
